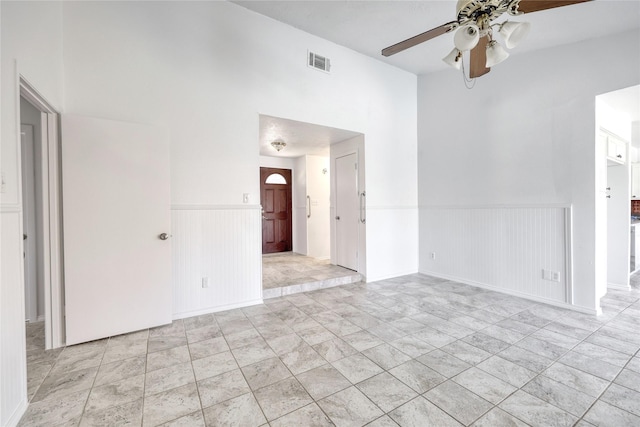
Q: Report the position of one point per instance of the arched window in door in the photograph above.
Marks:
(275, 178)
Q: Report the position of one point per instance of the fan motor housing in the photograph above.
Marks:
(472, 10)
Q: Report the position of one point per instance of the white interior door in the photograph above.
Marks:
(346, 170)
(116, 198)
(29, 222)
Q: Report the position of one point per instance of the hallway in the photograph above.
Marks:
(287, 273)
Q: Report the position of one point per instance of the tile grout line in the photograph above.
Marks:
(388, 323)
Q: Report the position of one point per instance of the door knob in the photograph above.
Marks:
(338, 218)
(24, 236)
(164, 236)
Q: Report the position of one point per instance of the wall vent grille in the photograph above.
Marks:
(319, 62)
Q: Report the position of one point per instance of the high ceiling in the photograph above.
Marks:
(369, 26)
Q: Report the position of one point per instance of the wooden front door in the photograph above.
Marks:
(275, 198)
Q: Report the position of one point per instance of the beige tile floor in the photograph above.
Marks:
(290, 268)
(411, 351)
(287, 273)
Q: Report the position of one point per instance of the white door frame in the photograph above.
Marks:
(51, 215)
(29, 218)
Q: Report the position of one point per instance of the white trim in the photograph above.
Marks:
(52, 216)
(499, 206)
(618, 286)
(10, 208)
(511, 292)
(212, 207)
(392, 208)
(27, 91)
(389, 276)
(15, 417)
(46, 236)
(185, 314)
(55, 233)
(568, 253)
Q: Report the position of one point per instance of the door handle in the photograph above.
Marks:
(164, 236)
(309, 206)
(338, 218)
(363, 214)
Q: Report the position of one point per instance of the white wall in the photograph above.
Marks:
(206, 70)
(311, 235)
(277, 162)
(525, 136)
(31, 44)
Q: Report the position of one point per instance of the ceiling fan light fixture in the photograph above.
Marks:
(514, 32)
(466, 38)
(278, 144)
(454, 58)
(495, 54)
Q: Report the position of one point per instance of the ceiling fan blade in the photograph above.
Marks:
(420, 38)
(528, 6)
(478, 59)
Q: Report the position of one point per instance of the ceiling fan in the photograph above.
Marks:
(475, 33)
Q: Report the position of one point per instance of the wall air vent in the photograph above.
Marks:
(319, 62)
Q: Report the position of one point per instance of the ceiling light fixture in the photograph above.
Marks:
(513, 32)
(278, 144)
(474, 22)
(495, 54)
(454, 58)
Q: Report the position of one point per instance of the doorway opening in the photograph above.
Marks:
(315, 258)
(43, 213)
(275, 199)
(618, 188)
(42, 231)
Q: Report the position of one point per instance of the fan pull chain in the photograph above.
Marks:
(464, 77)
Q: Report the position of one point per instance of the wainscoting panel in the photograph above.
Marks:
(13, 364)
(503, 248)
(217, 259)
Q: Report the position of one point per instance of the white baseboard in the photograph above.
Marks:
(389, 276)
(14, 419)
(619, 286)
(177, 316)
(514, 293)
